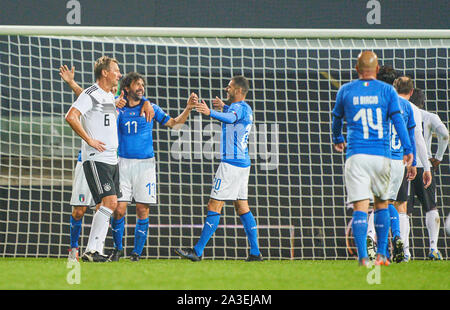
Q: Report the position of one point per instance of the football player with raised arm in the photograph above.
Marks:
(367, 105)
(427, 196)
(231, 179)
(137, 166)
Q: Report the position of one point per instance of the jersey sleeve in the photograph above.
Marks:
(411, 121)
(337, 123)
(338, 110)
(237, 109)
(160, 116)
(393, 105)
(83, 103)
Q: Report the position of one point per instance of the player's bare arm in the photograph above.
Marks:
(181, 119)
(68, 76)
(73, 118)
(147, 111)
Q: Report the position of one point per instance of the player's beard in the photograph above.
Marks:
(134, 96)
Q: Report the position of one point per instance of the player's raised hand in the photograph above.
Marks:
(192, 101)
(121, 101)
(218, 104)
(427, 179)
(411, 173)
(340, 147)
(67, 75)
(148, 111)
(96, 144)
(408, 159)
(203, 108)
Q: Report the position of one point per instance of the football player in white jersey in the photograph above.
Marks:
(427, 195)
(93, 117)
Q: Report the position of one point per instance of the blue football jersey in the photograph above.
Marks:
(135, 133)
(408, 117)
(234, 147)
(367, 106)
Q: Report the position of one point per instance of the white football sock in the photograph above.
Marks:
(432, 220)
(404, 231)
(371, 227)
(99, 229)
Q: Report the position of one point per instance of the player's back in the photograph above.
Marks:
(408, 117)
(235, 136)
(367, 106)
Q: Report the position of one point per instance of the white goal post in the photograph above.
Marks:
(296, 189)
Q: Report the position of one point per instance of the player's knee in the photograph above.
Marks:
(110, 202)
(215, 205)
(142, 211)
(78, 212)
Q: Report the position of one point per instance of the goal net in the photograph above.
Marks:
(296, 186)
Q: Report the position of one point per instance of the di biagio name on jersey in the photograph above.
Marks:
(365, 100)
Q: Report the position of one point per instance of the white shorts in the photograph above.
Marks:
(397, 174)
(138, 180)
(81, 194)
(367, 176)
(230, 183)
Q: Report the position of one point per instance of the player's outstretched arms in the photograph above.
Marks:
(224, 117)
(176, 123)
(68, 76)
(73, 118)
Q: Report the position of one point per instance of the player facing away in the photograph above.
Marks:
(367, 105)
(432, 124)
(399, 173)
(137, 165)
(93, 117)
(231, 179)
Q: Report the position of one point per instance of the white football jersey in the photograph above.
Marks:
(431, 124)
(99, 120)
(421, 149)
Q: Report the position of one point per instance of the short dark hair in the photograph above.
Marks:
(103, 63)
(129, 78)
(241, 82)
(387, 74)
(418, 98)
(404, 85)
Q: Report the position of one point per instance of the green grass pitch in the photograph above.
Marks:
(177, 274)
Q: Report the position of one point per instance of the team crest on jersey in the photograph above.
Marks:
(82, 198)
(366, 84)
(107, 187)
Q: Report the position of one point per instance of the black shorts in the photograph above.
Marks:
(103, 179)
(403, 193)
(427, 197)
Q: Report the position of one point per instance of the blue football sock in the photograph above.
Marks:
(118, 228)
(359, 227)
(210, 226)
(395, 222)
(382, 222)
(75, 231)
(251, 230)
(140, 235)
